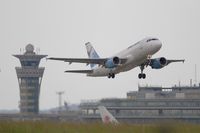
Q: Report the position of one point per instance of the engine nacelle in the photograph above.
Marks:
(112, 62)
(158, 63)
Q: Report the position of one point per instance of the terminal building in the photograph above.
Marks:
(29, 77)
(150, 104)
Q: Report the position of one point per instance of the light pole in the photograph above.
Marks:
(60, 93)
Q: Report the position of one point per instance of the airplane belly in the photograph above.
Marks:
(136, 60)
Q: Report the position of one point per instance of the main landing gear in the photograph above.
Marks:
(142, 75)
(111, 75)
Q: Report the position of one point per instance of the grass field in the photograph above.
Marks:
(62, 127)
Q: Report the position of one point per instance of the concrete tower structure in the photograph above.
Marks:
(29, 77)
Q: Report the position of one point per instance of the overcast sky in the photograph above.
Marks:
(60, 28)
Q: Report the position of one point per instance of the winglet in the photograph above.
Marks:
(181, 60)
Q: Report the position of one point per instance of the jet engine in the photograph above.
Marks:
(112, 62)
(158, 63)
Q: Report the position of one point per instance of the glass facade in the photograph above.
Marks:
(29, 63)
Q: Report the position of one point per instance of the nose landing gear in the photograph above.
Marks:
(142, 75)
(111, 75)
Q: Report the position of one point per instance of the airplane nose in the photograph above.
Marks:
(158, 44)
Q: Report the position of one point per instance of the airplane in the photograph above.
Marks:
(106, 116)
(136, 55)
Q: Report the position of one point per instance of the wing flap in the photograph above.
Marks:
(79, 71)
(81, 60)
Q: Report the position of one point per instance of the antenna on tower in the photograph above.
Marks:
(195, 75)
(23, 51)
(37, 50)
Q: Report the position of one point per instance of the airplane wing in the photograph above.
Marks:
(100, 61)
(158, 63)
(171, 61)
(79, 71)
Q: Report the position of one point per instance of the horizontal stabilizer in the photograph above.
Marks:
(79, 71)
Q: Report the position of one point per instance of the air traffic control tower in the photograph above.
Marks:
(29, 77)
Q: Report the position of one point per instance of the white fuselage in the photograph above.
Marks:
(136, 55)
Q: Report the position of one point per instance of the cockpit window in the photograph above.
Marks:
(152, 39)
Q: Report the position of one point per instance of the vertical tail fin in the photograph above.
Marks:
(106, 116)
(92, 54)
